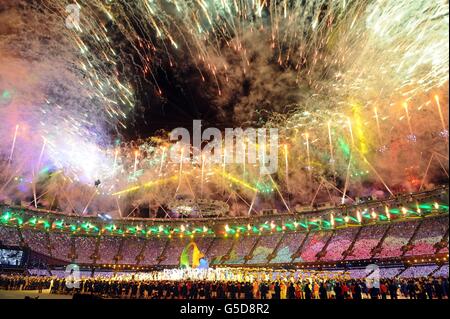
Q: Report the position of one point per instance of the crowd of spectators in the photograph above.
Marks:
(419, 271)
(241, 249)
(173, 251)
(442, 271)
(367, 240)
(83, 273)
(280, 247)
(37, 241)
(289, 245)
(131, 249)
(314, 245)
(218, 249)
(397, 237)
(264, 248)
(9, 236)
(85, 249)
(372, 271)
(339, 243)
(108, 249)
(153, 249)
(38, 272)
(444, 250)
(61, 245)
(306, 288)
(389, 272)
(358, 273)
(203, 244)
(429, 233)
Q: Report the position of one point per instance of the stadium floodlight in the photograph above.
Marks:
(104, 217)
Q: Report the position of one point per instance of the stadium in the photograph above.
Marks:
(216, 149)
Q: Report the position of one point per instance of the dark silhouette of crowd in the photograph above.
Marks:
(417, 288)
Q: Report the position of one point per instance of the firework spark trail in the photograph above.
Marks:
(311, 61)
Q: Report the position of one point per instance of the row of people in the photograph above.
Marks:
(311, 288)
